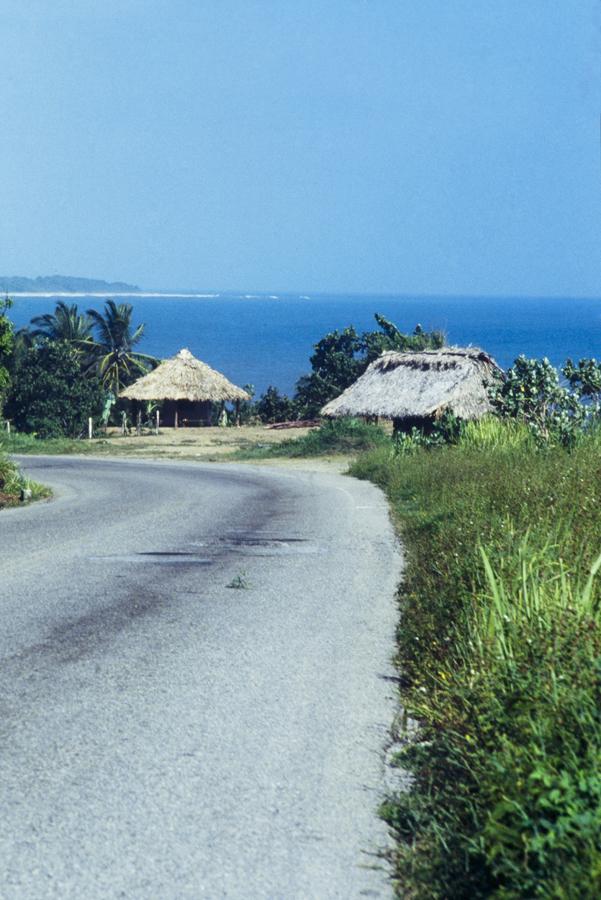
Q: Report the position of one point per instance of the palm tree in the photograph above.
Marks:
(116, 361)
(66, 323)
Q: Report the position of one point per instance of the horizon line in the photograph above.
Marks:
(315, 295)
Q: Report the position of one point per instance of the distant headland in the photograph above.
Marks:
(19, 284)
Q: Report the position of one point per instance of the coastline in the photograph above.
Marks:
(50, 294)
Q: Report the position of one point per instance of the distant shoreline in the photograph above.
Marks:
(107, 294)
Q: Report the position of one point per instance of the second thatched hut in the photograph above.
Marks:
(416, 388)
(188, 389)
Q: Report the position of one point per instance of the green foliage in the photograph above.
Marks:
(9, 479)
(500, 663)
(531, 393)
(448, 429)
(585, 380)
(112, 352)
(66, 323)
(6, 348)
(275, 407)
(341, 357)
(12, 482)
(246, 408)
(491, 433)
(390, 338)
(51, 395)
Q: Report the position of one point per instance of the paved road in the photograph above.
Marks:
(166, 736)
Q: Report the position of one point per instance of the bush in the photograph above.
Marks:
(276, 407)
(585, 379)
(9, 479)
(12, 482)
(531, 394)
(51, 395)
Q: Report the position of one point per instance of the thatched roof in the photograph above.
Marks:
(184, 378)
(421, 384)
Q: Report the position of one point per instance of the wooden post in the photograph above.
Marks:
(123, 422)
(90, 428)
(8, 427)
(139, 423)
(238, 413)
(156, 430)
(175, 424)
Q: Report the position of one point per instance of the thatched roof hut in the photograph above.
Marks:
(416, 387)
(188, 386)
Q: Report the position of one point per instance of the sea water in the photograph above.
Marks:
(267, 340)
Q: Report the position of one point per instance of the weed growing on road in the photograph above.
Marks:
(240, 582)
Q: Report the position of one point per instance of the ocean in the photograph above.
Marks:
(267, 340)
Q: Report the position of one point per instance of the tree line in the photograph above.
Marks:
(69, 365)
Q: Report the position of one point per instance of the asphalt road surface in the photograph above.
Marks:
(165, 735)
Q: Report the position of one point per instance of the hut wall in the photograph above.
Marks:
(189, 413)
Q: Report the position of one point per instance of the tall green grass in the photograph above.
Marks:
(500, 663)
(491, 433)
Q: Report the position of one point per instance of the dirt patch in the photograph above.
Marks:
(193, 443)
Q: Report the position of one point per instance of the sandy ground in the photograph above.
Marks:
(212, 445)
(193, 442)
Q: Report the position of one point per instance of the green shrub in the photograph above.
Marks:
(51, 395)
(531, 393)
(9, 476)
(275, 407)
(12, 482)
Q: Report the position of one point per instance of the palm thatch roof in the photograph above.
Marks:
(424, 384)
(183, 377)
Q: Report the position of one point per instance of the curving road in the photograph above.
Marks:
(165, 736)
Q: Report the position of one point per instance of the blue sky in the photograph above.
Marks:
(401, 146)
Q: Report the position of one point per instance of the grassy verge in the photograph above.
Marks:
(246, 443)
(500, 663)
(12, 482)
(28, 443)
(343, 437)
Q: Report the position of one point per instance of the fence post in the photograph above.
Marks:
(157, 424)
(90, 428)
